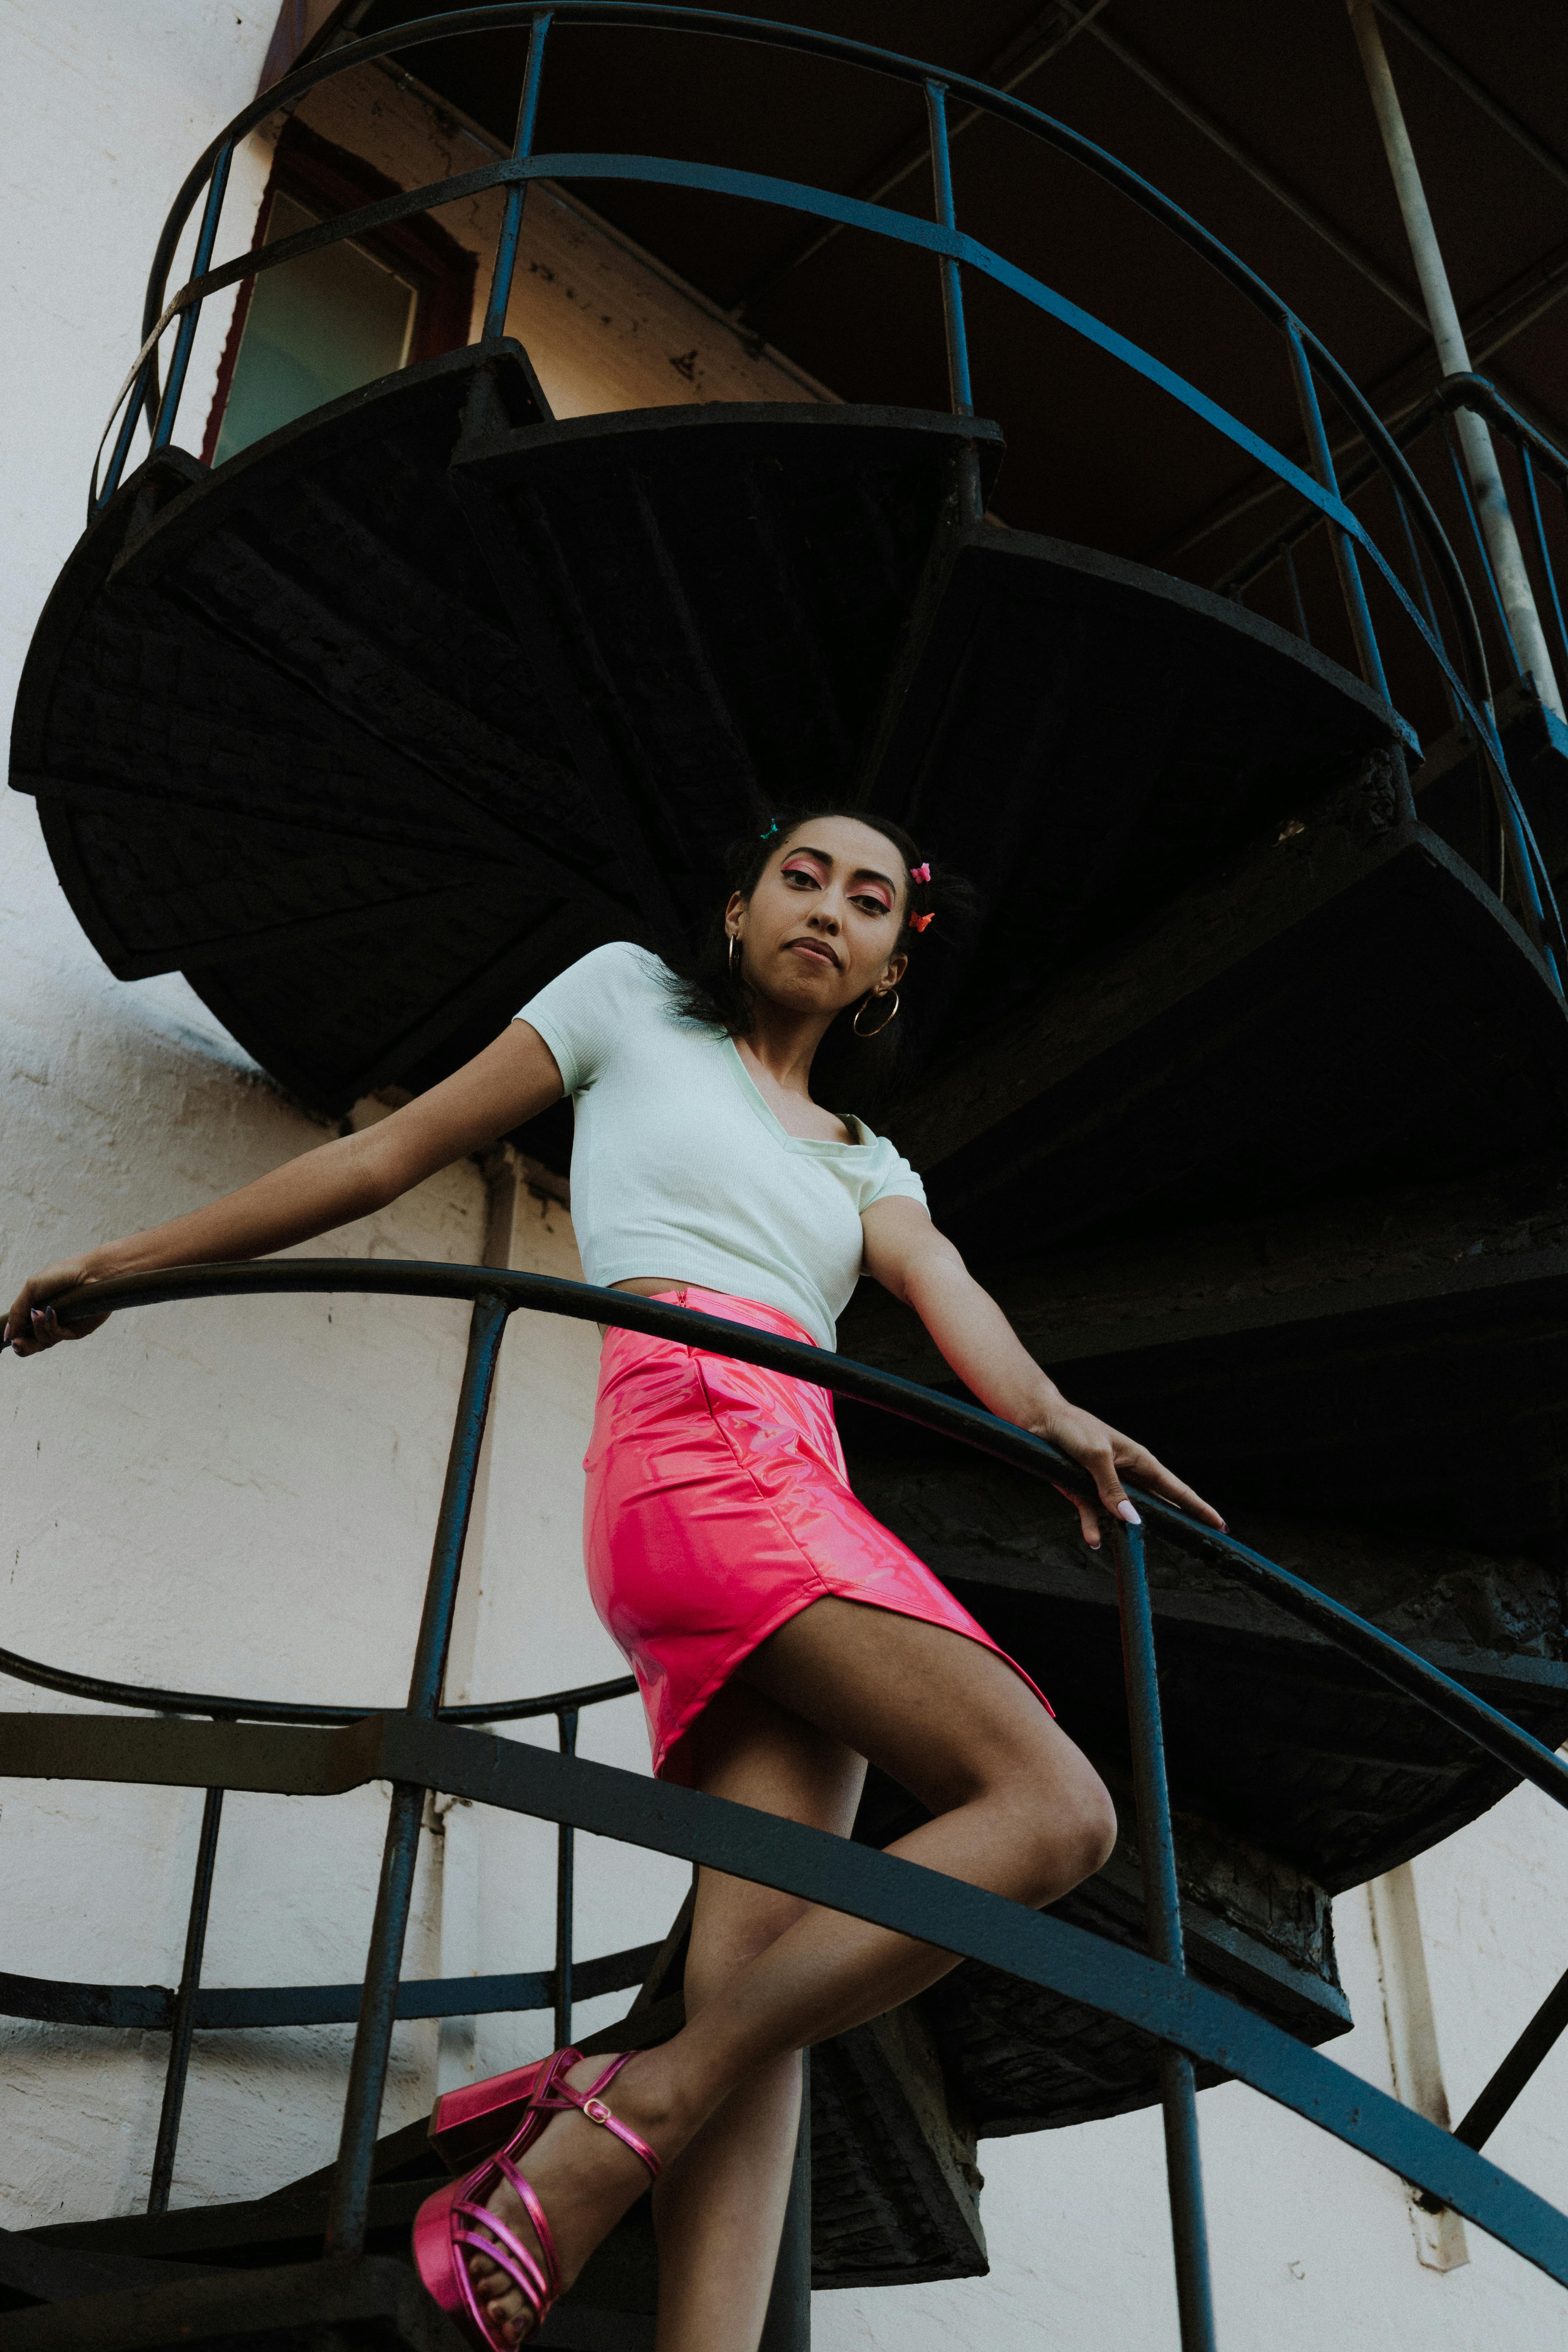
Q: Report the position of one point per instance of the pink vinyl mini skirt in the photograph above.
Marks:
(718, 1506)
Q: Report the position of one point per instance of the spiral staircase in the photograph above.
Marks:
(1246, 1097)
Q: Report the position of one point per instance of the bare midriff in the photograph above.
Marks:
(648, 1286)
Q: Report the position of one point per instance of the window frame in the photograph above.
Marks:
(329, 179)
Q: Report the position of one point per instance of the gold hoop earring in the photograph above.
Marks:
(881, 1024)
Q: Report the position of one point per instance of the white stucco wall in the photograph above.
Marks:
(240, 1496)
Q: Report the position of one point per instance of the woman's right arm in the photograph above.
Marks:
(512, 1080)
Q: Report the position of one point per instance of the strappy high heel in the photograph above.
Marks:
(457, 2222)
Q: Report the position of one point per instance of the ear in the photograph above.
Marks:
(897, 967)
(733, 912)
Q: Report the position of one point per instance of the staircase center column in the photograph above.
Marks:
(1454, 359)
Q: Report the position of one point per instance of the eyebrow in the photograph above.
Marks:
(860, 874)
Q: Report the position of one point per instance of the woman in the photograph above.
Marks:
(780, 1635)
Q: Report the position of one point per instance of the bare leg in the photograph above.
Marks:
(720, 2208)
(1018, 1809)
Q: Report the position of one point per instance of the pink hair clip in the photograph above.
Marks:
(920, 873)
(918, 922)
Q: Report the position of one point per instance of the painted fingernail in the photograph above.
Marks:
(1125, 1511)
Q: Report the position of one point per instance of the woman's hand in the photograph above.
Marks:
(31, 1325)
(1107, 1456)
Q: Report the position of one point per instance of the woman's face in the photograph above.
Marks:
(820, 927)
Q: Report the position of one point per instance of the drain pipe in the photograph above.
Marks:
(1475, 439)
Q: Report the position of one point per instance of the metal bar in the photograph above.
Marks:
(1489, 2109)
(1162, 1913)
(1538, 527)
(168, 407)
(1425, 587)
(971, 1424)
(185, 2018)
(565, 1837)
(786, 2325)
(348, 2212)
(1475, 533)
(819, 1867)
(1345, 562)
(1302, 629)
(1477, 92)
(123, 438)
(487, 1327)
(516, 194)
(1481, 458)
(952, 286)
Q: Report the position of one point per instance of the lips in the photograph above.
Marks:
(818, 950)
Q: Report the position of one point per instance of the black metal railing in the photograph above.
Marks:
(269, 1744)
(1426, 432)
(1311, 366)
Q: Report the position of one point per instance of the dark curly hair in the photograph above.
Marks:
(850, 1070)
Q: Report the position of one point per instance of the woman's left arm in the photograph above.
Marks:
(920, 1266)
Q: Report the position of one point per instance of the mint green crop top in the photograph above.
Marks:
(678, 1166)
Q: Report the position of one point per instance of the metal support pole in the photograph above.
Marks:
(1163, 1913)
(517, 193)
(565, 1842)
(1345, 561)
(185, 2018)
(349, 2214)
(960, 391)
(787, 2325)
(201, 261)
(1454, 358)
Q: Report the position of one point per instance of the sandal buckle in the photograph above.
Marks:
(596, 2111)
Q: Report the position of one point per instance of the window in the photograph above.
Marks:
(309, 331)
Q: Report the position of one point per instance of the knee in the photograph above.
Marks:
(1092, 1827)
(1076, 1831)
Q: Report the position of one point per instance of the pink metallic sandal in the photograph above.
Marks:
(456, 2222)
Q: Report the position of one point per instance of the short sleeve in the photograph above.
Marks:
(582, 1014)
(891, 1178)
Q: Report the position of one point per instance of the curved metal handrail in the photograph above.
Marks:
(1309, 357)
(944, 1415)
(416, 1751)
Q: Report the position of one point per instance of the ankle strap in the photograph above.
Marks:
(591, 2104)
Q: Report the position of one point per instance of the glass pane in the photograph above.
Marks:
(315, 329)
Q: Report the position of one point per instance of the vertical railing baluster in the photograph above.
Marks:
(183, 2024)
(952, 285)
(1425, 586)
(1301, 629)
(786, 2327)
(960, 391)
(1345, 561)
(565, 1837)
(168, 407)
(122, 439)
(1163, 1913)
(350, 2210)
(516, 191)
(1544, 552)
